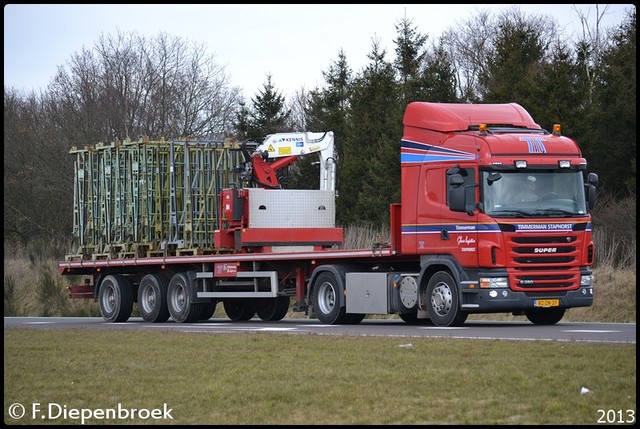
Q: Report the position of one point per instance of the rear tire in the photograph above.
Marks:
(239, 310)
(206, 310)
(115, 298)
(272, 309)
(180, 297)
(326, 300)
(152, 298)
(545, 316)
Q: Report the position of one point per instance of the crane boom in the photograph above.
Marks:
(286, 148)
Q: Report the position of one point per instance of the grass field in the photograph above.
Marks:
(267, 378)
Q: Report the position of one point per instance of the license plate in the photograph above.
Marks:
(546, 303)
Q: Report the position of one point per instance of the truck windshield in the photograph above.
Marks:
(533, 193)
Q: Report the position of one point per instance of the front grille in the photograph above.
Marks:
(544, 262)
(563, 278)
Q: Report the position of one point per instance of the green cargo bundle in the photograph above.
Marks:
(149, 198)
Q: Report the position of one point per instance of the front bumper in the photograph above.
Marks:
(506, 300)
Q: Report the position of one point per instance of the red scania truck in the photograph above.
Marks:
(178, 227)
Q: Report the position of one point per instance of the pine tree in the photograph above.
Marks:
(611, 135)
(409, 57)
(328, 110)
(370, 170)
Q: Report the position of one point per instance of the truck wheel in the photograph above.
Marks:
(442, 301)
(239, 309)
(207, 310)
(180, 296)
(152, 298)
(272, 309)
(545, 316)
(115, 298)
(326, 300)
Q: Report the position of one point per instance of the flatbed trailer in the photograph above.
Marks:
(463, 240)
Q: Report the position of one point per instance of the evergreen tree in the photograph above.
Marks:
(517, 54)
(611, 128)
(439, 80)
(558, 91)
(327, 110)
(268, 114)
(243, 122)
(409, 57)
(370, 173)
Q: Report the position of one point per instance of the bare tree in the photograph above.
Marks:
(298, 106)
(591, 44)
(34, 162)
(128, 86)
(470, 45)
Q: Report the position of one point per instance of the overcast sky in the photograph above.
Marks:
(293, 43)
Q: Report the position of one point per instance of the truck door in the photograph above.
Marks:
(459, 233)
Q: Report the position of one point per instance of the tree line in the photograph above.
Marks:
(129, 86)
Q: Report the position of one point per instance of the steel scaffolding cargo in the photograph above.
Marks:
(148, 198)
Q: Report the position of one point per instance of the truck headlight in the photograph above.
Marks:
(493, 282)
(586, 280)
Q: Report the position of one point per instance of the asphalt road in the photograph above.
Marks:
(624, 333)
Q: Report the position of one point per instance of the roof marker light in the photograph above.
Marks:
(556, 129)
(482, 129)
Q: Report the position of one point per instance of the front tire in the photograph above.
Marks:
(115, 298)
(152, 298)
(326, 300)
(545, 316)
(443, 304)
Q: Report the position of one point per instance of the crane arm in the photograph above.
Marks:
(286, 148)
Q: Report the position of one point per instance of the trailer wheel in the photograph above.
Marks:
(207, 310)
(326, 300)
(180, 294)
(442, 301)
(272, 309)
(545, 316)
(115, 298)
(152, 298)
(239, 309)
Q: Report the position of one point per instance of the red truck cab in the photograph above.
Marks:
(469, 203)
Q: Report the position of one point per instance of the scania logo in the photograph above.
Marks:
(545, 250)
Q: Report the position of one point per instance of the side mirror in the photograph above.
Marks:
(590, 190)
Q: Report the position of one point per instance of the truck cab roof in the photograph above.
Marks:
(450, 117)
